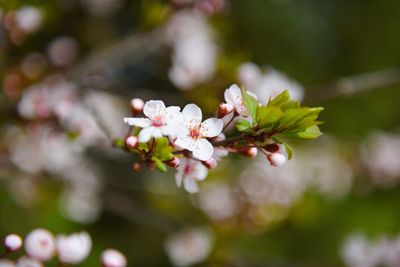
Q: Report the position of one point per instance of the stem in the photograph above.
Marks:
(230, 141)
(229, 122)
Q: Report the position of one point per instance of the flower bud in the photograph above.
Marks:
(131, 142)
(113, 258)
(210, 164)
(250, 152)
(174, 163)
(273, 148)
(137, 166)
(137, 105)
(13, 242)
(276, 159)
(74, 248)
(40, 245)
(224, 109)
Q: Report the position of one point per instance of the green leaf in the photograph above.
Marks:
(243, 125)
(120, 143)
(309, 133)
(162, 149)
(250, 103)
(280, 99)
(289, 150)
(301, 118)
(144, 147)
(159, 164)
(268, 117)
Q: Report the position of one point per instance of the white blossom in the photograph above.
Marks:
(28, 18)
(160, 120)
(233, 96)
(28, 262)
(193, 137)
(13, 242)
(189, 172)
(74, 248)
(40, 244)
(189, 247)
(113, 258)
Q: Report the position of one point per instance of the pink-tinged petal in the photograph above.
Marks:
(233, 95)
(211, 127)
(146, 134)
(179, 177)
(185, 142)
(157, 132)
(139, 122)
(200, 172)
(192, 115)
(190, 185)
(203, 150)
(153, 108)
(173, 115)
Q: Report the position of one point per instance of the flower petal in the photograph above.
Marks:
(190, 185)
(146, 134)
(153, 108)
(179, 178)
(192, 115)
(211, 127)
(200, 172)
(233, 95)
(173, 114)
(203, 150)
(139, 122)
(185, 142)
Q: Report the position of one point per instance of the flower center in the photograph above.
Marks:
(194, 132)
(188, 169)
(157, 121)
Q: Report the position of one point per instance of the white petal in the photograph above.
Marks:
(139, 122)
(233, 94)
(179, 178)
(174, 130)
(190, 185)
(153, 108)
(200, 172)
(145, 134)
(173, 115)
(211, 127)
(203, 150)
(186, 142)
(192, 115)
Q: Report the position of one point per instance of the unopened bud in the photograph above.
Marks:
(137, 166)
(273, 148)
(276, 159)
(174, 162)
(137, 105)
(224, 109)
(13, 242)
(210, 164)
(250, 152)
(131, 141)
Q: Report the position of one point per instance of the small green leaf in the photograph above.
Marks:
(279, 100)
(309, 133)
(250, 103)
(243, 125)
(268, 117)
(159, 164)
(289, 150)
(119, 143)
(162, 149)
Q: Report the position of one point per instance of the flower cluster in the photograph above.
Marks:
(181, 139)
(41, 246)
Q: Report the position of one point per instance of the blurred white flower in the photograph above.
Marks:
(62, 51)
(73, 248)
(193, 137)
(194, 51)
(160, 121)
(28, 18)
(28, 262)
(13, 242)
(189, 172)
(113, 258)
(268, 84)
(189, 247)
(40, 244)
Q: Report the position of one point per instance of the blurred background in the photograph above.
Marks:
(69, 69)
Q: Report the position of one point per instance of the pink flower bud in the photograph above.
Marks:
(210, 164)
(40, 244)
(224, 109)
(13, 242)
(251, 152)
(74, 248)
(137, 166)
(131, 142)
(174, 163)
(113, 258)
(137, 105)
(276, 159)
